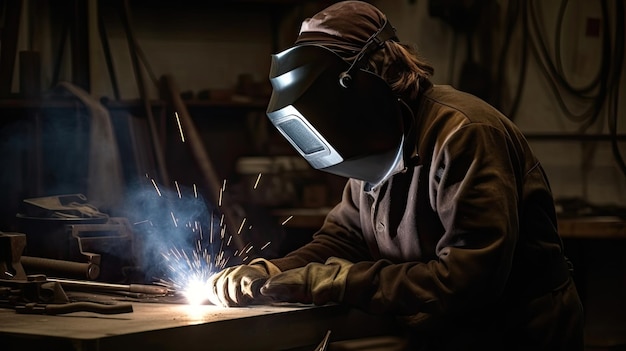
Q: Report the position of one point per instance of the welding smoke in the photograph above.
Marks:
(169, 219)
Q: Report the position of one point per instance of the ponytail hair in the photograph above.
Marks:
(401, 67)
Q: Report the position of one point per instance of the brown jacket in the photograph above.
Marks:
(462, 241)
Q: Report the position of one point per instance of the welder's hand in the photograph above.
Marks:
(314, 283)
(240, 285)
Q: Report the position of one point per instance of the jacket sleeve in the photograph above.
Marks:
(339, 236)
(472, 189)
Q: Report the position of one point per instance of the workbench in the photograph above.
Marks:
(159, 326)
(165, 326)
(601, 227)
(597, 248)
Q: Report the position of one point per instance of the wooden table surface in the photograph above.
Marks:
(156, 326)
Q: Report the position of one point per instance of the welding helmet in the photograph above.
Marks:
(340, 117)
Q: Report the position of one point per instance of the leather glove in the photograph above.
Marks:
(314, 283)
(240, 285)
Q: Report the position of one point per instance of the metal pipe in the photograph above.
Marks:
(48, 265)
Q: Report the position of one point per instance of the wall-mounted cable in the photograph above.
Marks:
(559, 85)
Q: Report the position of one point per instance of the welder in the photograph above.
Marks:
(446, 221)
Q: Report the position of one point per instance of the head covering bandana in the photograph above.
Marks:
(344, 27)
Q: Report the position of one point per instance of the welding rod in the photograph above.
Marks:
(84, 285)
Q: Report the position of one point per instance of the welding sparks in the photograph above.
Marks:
(178, 189)
(180, 128)
(211, 232)
(266, 245)
(174, 219)
(222, 189)
(184, 258)
(241, 226)
(258, 178)
(196, 291)
(287, 220)
(156, 187)
(191, 272)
